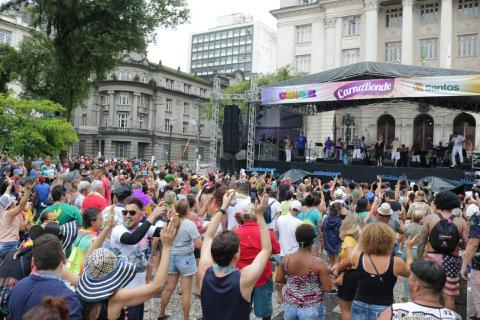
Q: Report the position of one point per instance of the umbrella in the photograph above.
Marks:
(295, 175)
(440, 184)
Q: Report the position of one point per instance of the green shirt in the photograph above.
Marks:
(363, 214)
(311, 216)
(65, 213)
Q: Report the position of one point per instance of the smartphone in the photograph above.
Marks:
(145, 173)
(253, 197)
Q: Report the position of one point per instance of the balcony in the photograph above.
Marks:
(125, 131)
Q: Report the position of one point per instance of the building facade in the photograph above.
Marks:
(314, 36)
(13, 27)
(143, 110)
(236, 43)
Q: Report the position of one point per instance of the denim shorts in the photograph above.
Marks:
(365, 311)
(295, 313)
(183, 265)
(315, 242)
(262, 300)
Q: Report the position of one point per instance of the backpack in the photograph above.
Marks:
(444, 236)
(267, 214)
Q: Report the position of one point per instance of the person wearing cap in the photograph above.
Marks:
(83, 191)
(385, 215)
(121, 193)
(286, 226)
(131, 240)
(96, 198)
(239, 202)
(10, 218)
(48, 258)
(426, 283)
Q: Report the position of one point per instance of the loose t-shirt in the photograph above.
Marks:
(183, 242)
(348, 241)
(65, 213)
(311, 216)
(286, 226)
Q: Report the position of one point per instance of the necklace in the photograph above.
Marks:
(226, 270)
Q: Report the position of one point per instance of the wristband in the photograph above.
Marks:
(222, 211)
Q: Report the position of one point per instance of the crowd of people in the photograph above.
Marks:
(97, 239)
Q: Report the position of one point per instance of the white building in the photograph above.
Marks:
(314, 36)
(13, 27)
(236, 43)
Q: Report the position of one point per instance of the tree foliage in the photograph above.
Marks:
(27, 130)
(79, 41)
(8, 65)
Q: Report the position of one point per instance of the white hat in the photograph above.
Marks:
(339, 194)
(296, 205)
(385, 209)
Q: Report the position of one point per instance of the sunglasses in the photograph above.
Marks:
(129, 212)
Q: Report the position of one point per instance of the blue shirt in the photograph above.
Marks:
(30, 292)
(301, 141)
(43, 190)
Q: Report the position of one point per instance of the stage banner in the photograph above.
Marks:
(374, 89)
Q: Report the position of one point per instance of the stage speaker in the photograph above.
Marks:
(465, 166)
(358, 162)
(231, 129)
(319, 160)
(331, 160)
(299, 159)
(388, 163)
(414, 164)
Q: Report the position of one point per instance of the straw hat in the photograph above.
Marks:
(385, 209)
(104, 274)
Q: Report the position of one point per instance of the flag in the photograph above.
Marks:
(422, 57)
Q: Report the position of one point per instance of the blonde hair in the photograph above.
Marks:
(420, 196)
(170, 197)
(351, 226)
(377, 239)
(181, 207)
(417, 215)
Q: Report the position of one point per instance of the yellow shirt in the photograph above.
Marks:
(348, 241)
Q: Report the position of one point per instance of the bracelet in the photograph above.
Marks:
(222, 211)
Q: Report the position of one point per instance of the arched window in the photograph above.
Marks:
(423, 132)
(465, 124)
(386, 128)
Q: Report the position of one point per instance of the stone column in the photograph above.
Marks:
(318, 46)
(133, 149)
(109, 152)
(445, 50)
(407, 32)
(136, 103)
(150, 108)
(371, 30)
(338, 42)
(111, 100)
(329, 42)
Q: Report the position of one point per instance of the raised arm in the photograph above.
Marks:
(23, 202)
(206, 259)
(252, 272)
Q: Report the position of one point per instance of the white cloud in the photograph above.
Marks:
(171, 46)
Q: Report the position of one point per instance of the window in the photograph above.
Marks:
(467, 45)
(185, 152)
(5, 36)
(122, 149)
(305, 2)
(185, 127)
(84, 119)
(169, 84)
(429, 48)
(143, 101)
(122, 120)
(186, 108)
(123, 98)
(81, 146)
(105, 119)
(393, 51)
(393, 18)
(168, 105)
(302, 63)
(166, 126)
(303, 33)
(351, 25)
(141, 122)
(429, 13)
(187, 88)
(468, 8)
(350, 56)
(124, 76)
(201, 129)
(103, 100)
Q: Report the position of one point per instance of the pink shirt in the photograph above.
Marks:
(9, 231)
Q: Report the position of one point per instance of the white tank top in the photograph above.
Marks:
(411, 310)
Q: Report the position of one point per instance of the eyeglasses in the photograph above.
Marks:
(129, 212)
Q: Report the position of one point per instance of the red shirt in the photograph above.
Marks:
(108, 190)
(94, 201)
(250, 247)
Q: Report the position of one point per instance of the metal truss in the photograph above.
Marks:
(216, 93)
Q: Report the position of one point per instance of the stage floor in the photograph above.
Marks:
(358, 173)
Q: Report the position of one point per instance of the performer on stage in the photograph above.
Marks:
(363, 148)
(287, 142)
(301, 143)
(328, 147)
(379, 151)
(357, 147)
(457, 141)
(396, 150)
(339, 148)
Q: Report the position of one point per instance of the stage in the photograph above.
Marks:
(358, 173)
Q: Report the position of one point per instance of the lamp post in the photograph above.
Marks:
(171, 123)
